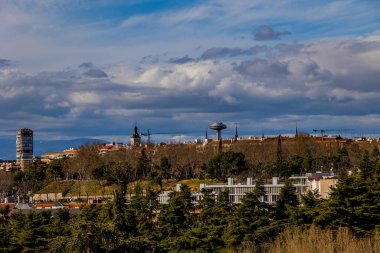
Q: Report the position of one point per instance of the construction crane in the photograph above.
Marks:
(323, 131)
(148, 133)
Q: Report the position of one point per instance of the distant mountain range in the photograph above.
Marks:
(8, 146)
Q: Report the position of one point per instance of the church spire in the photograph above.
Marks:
(135, 139)
(236, 132)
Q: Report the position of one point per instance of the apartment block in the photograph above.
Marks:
(24, 148)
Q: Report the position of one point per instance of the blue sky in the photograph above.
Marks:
(91, 68)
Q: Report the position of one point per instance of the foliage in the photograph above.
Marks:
(139, 224)
(226, 164)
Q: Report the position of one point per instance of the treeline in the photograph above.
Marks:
(213, 225)
(273, 157)
(140, 224)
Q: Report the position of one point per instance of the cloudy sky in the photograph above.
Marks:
(91, 68)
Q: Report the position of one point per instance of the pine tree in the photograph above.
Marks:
(251, 222)
(287, 197)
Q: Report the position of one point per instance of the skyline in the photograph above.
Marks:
(72, 69)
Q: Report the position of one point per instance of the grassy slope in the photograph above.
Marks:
(94, 187)
(75, 188)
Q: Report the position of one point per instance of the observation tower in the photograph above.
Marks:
(218, 127)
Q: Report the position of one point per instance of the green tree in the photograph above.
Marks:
(30, 232)
(165, 167)
(160, 172)
(226, 164)
(120, 173)
(367, 166)
(174, 218)
(87, 234)
(6, 236)
(54, 169)
(375, 152)
(142, 165)
(251, 222)
(305, 214)
(353, 203)
(287, 199)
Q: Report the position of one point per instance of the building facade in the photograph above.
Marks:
(272, 190)
(24, 148)
(48, 157)
(322, 183)
(237, 191)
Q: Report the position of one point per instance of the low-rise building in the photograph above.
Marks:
(48, 157)
(114, 146)
(322, 183)
(237, 191)
(8, 165)
(272, 190)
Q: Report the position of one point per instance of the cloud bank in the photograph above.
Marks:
(93, 68)
(334, 81)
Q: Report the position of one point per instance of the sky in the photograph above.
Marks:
(92, 68)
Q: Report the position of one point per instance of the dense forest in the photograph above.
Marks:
(141, 224)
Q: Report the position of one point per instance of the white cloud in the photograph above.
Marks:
(124, 112)
(137, 20)
(188, 15)
(85, 98)
(343, 94)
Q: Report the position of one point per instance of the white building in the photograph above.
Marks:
(272, 190)
(237, 191)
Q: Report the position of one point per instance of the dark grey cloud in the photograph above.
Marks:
(365, 47)
(288, 48)
(181, 60)
(265, 32)
(214, 53)
(150, 59)
(95, 73)
(263, 68)
(86, 65)
(6, 63)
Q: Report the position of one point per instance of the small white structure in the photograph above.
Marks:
(163, 197)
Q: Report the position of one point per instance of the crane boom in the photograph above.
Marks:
(148, 134)
(323, 131)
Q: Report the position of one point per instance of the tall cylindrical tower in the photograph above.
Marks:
(24, 147)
